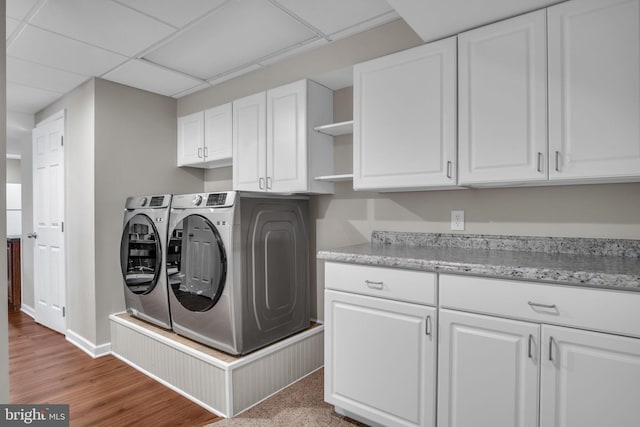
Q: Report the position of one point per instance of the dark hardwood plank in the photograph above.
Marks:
(45, 368)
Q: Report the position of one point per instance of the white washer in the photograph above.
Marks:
(142, 262)
(238, 269)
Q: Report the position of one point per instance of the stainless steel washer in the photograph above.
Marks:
(238, 269)
(142, 258)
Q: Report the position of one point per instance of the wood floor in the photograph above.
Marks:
(45, 368)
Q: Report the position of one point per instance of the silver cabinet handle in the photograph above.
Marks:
(374, 285)
(551, 341)
(557, 161)
(449, 167)
(261, 183)
(540, 162)
(269, 183)
(428, 327)
(33, 235)
(206, 152)
(535, 304)
(530, 353)
(200, 153)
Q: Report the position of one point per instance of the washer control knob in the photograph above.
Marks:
(143, 201)
(197, 200)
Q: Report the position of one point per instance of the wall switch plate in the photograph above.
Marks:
(457, 220)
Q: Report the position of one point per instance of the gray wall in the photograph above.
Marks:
(120, 141)
(80, 234)
(135, 153)
(14, 173)
(348, 217)
(4, 339)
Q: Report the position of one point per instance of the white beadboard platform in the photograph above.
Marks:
(223, 384)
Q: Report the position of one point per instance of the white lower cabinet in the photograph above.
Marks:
(487, 371)
(589, 379)
(380, 357)
(490, 366)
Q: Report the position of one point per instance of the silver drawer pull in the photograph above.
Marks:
(374, 285)
(535, 304)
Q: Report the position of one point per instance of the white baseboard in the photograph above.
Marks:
(87, 346)
(29, 311)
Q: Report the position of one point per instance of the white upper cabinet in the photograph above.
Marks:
(249, 143)
(275, 148)
(204, 138)
(594, 90)
(404, 131)
(502, 102)
(190, 139)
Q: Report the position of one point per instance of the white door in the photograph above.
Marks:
(487, 371)
(594, 89)
(380, 359)
(218, 142)
(249, 143)
(589, 379)
(191, 139)
(502, 93)
(48, 219)
(404, 129)
(287, 138)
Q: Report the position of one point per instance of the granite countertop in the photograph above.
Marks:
(602, 263)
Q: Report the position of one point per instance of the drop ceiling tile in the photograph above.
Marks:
(234, 35)
(176, 13)
(293, 51)
(36, 45)
(331, 16)
(23, 99)
(358, 28)
(102, 23)
(233, 74)
(12, 25)
(192, 90)
(39, 76)
(152, 78)
(18, 9)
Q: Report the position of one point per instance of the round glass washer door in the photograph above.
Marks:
(140, 254)
(196, 263)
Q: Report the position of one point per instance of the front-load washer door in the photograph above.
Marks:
(140, 254)
(196, 263)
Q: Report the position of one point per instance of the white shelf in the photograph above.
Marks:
(335, 178)
(335, 129)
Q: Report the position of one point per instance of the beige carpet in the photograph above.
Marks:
(300, 404)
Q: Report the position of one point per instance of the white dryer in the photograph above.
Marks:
(142, 258)
(238, 269)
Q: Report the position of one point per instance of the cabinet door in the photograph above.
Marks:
(404, 134)
(217, 136)
(379, 359)
(589, 379)
(502, 98)
(488, 371)
(594, 89)
(249, 143)
(191, 139)
(287, 138)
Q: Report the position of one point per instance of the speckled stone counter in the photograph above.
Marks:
(602, 263)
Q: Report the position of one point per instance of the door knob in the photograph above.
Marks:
(33, 235)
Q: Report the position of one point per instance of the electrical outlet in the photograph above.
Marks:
(457, 220)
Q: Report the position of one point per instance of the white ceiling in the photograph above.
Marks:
(170, 47)
(176, 47)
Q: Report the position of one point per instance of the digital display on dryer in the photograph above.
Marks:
(216, 199)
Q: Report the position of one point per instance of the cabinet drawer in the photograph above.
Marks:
(596, 309)
(404, 285)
